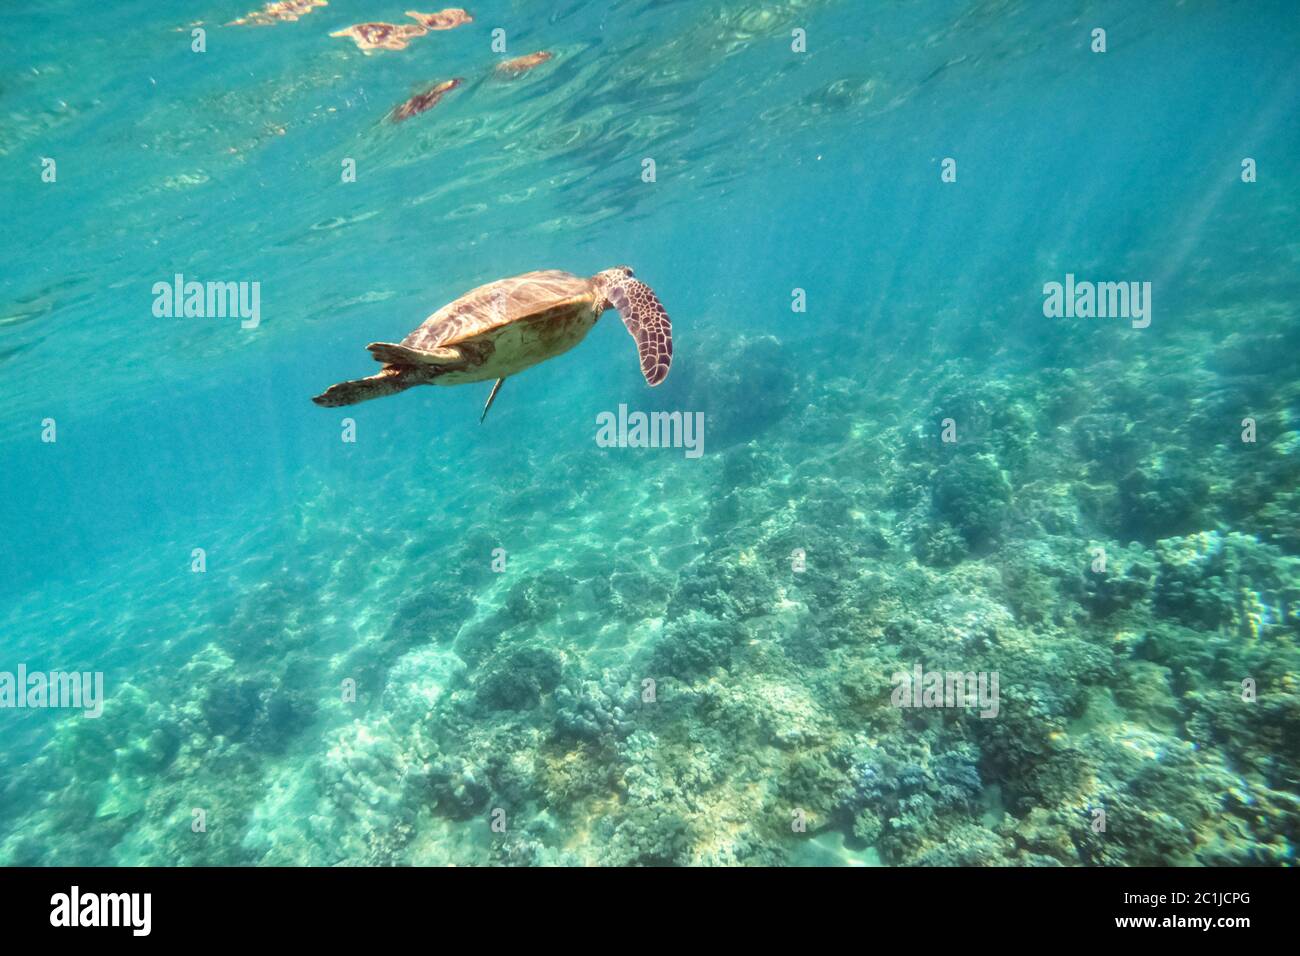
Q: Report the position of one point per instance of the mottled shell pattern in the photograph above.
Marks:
(493, 306)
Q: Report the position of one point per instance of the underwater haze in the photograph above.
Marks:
(987, 552)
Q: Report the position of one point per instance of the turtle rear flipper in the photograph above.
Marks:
(647, 321)
(391, 354)
(388, 382)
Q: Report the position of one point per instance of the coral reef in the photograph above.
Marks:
(712, 683)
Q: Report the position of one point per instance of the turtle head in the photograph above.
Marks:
(608, 280)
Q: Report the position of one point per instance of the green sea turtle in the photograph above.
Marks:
(278, 11)
(504, 327)
(423, 101)
(447, 19)
(396, 36)
(522, 64)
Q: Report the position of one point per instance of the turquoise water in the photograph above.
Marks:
(648, 679)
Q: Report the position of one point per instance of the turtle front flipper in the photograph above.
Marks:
(391, 354)
(491, 398)
(648, 323)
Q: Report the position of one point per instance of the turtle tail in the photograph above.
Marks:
(388, 382)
